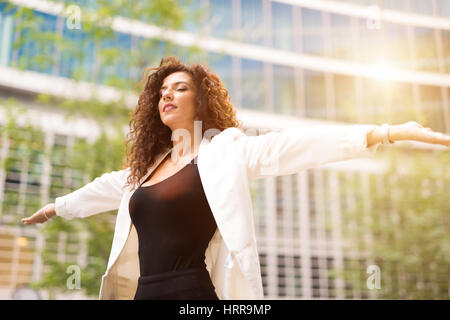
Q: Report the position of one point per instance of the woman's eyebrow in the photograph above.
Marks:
(178, 82)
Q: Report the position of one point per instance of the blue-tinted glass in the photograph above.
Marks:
(252, 27)
(85, 3)
(221, 65)
(114, 66)
(315, 103)
(38, 52)
(426, 51)
(183, 53)
(196, 16)
(3, 7)
(151, 51)
(282, 33)
(284, 89)
(252, 84)
(220, 18)
(77, 59)
(341, 36)
(312, 31)
(6, 35)
(443, 8)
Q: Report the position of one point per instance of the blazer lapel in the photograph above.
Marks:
(123, 222)
(223, 195)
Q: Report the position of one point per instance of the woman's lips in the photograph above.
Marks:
(167, 109)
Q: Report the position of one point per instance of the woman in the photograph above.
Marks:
(185, 225)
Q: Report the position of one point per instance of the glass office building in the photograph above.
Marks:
(320, 61)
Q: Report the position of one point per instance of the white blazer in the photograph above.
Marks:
(226, 163)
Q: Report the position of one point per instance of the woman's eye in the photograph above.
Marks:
(182, 89)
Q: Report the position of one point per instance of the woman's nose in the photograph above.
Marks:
(166, 95)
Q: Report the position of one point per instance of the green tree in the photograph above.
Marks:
(403, 229)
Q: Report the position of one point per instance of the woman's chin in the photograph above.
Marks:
(170, 124)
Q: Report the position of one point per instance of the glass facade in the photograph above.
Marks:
(318, 33)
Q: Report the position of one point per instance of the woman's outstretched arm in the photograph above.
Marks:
(294, 149)
(102, 194)
(409, 131)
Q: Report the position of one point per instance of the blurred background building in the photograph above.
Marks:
(290, 62)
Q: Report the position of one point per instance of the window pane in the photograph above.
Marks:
(77, 60)
(396, 45)
(197, 14)
(446, 49)
(252, 27)
(426, 52)
(284, 86)
(114, 69)
(221, 65)
(398, 5)
(220, 21)
(400, 99)
(345, 98)
(37, 53)
(341, 36)
(6, 35)
(369, 42)
(432, 107)
(312, 31)
(374, 106)
(252, 84)
(315, 94)
(282, 26)
(443, 8)
(421, 7)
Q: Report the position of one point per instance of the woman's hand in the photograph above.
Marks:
(39, 216)
(414, 131)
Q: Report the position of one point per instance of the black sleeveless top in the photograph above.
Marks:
(174, 222)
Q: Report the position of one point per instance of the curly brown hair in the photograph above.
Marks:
(149, 136)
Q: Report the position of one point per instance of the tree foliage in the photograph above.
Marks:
(401, 227)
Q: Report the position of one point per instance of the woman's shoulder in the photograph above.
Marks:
(231, 132)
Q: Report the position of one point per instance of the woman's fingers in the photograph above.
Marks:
(28, 220)
(416, 124)
(435, 137)
(37, 217)
(418, 132)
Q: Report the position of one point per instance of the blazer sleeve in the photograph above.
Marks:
(102, 194)
(293, 149)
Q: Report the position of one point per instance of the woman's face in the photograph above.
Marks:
(177, 101)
